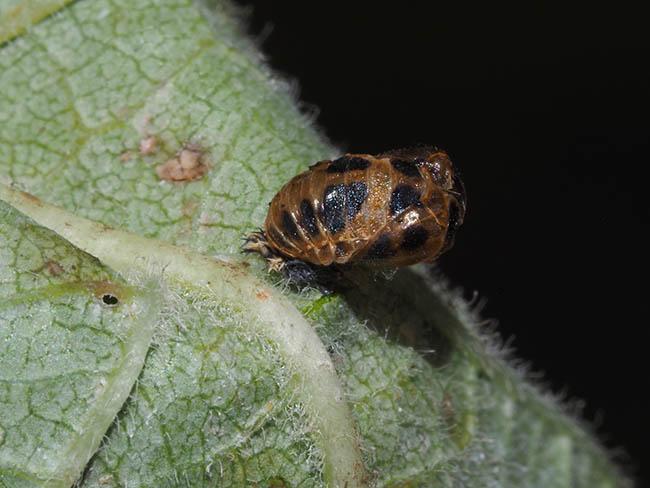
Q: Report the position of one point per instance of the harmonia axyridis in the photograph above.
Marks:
(393, 209)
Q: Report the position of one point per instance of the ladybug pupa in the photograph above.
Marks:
(394, 209)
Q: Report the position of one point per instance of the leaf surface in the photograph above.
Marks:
(388, 383)
(74, 339)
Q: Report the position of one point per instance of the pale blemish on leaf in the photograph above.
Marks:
(189, 207)
(53, 268)
(104, 480)
(187, 166)
(148, 145)
(126, 156)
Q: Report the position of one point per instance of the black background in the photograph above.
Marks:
(546, 110)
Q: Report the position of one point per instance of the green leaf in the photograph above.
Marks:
(390, 383)
(18, 15)
(224, 297)
(74, 339)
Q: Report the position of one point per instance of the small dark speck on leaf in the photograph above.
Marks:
(126, 156)
(106, 292)
(110, 300)
(53, 268)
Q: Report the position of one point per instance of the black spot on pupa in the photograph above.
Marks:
(277, 237)
(307, 217)
(341, 249)
(289, 226)
(381, 249)
(403, 197)
(347, 163)
(407, 168)
(110, 300)
(333, 215)
(414, 237)
(357, 193)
